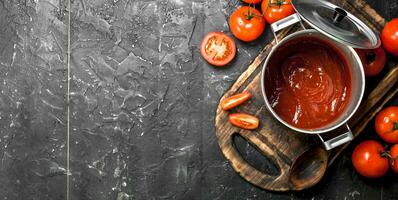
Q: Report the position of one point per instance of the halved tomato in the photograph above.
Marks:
(218, 49)
(235, 100)
(244, 121)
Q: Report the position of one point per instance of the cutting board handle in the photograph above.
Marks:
(248, 172)
(303, 169)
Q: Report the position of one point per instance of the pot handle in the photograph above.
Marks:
(338, 140)
(285, 22)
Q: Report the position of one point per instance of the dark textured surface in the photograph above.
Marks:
(142, 104)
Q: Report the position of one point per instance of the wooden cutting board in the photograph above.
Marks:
(300, 158)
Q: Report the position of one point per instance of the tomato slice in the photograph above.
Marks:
(218, 49)
(244, 121)
(235, 100)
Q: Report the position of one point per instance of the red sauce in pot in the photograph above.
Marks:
(308, 83)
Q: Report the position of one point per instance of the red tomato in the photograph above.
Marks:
(386, 124)
(218, 48)
(394, 158)
(389, 37)
(373, 60)
(235, 100)
(368, 161)
(246, 23)
(252, 1)
(244, 121)
(276, 10)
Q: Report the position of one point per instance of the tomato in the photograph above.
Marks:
(373, 60)
(246, 23)
(389, 37)
(244, 121)
(218, 49)
(276, 10)
(252, 1)
(394, 158)
(386, 124)
(235, 100)
(368, 160)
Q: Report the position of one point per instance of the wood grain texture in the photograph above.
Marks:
(299, 157)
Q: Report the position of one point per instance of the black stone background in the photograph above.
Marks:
(142, 104)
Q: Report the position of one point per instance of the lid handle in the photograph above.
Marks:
(338, 15)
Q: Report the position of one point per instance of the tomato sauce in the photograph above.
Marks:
(308, 83)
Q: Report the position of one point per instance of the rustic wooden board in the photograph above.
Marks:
(300, 158)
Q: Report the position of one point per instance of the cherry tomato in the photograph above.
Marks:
(218, 49)
(389, 37)
(275, 10)
(386, 124)
(373, 60)
(368, 160)
(246, 23)
(252, 1)
(394, 158)
(235, 100)
(244, 121)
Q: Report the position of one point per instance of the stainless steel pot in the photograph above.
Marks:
(354, 63)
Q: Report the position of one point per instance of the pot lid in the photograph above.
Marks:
(336, 23)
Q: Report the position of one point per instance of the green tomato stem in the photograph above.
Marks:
(385, 154)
